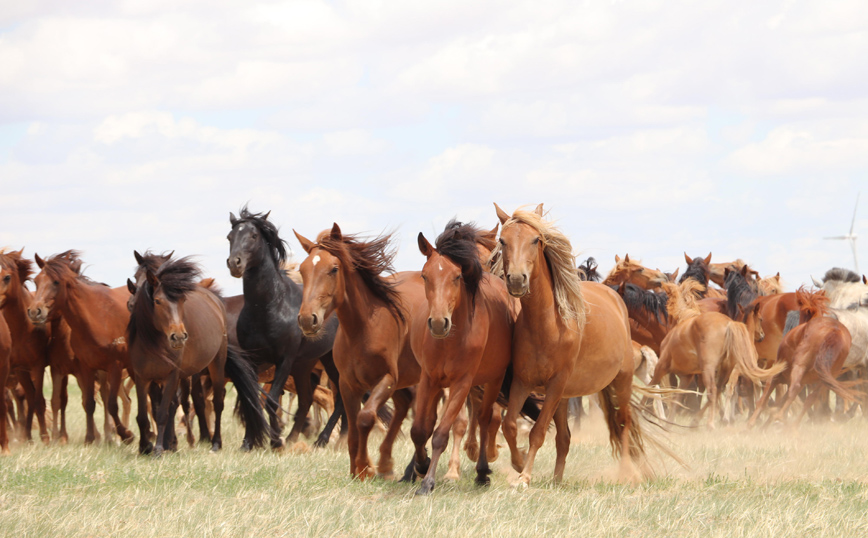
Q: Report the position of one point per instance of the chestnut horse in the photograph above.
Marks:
(462, 338)
(571, 338)
(634, 272)
(5, 350)
(343, 276)
(97, 316)
(176, 330)
(814, 352)
(699, 269)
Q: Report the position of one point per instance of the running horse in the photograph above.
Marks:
(570, 339)
(343, 276)
(633, 272)
(5, 351)
(267, 326)
(176, 330)
(462, 337)
(97, 316)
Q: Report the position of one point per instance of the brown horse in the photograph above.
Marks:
(813, 352)
(343, 275)
(97, 316)
(699, 269)
(5, 351)
(462, 338)
(176, 330)
(633, 272)
(571, 338)
(709, 344)
(770, 285)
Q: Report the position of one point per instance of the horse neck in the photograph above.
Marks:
(539, 301)
(263, 284)
(358, 305)
(15, 310)
(82, 302)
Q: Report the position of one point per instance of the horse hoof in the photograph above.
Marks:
(426, 488)
(216, 447)
(277, 444)
(146, 449)
(452, 476)
(245, 446)
(422, 468)
(482, 478)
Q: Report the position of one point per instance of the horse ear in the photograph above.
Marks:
(424, 246)
(726, 272)
(491, 234)
(39, 261)
(816, 282)
(232, 220)
(152, 279)
(675, 273)
(617, 259)
(139, 259)
(622, 289)
(626, 258)
(864, 279)
(265, 216)
(744, 270)
(778, 276)
(306, 243)
(501, 214)
(687, 259)
(131, 287)
(539, 210)
(336, 232)
(170, 255)
(707, 259)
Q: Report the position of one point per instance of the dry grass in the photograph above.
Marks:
(807, 482)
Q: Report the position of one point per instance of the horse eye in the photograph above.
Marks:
(7, 278)
(157, 301)
(334, 270)
(535, 241)
(57, 283)
(501, 242)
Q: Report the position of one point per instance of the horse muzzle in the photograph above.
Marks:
(517, 284)
(38, 315)
(178, 339)
(311, 325)
(236, 266)
(439, 327)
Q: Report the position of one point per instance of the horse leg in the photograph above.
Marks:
(126, 400)
(810, 401)
(367, 417)
(518, 394)
(708, 378)
(729, 400)
(38, 377)
(562, 438)
(4, 434)
(796, 375)
(87, 382)
(142, 419)
(331, 371)
(554, 390)
(171, 441)
(485, 412)
(576, 409)
(185, 407)
(352, 403)
(402, 399)
(459, 429)
(493, 428)
(197, 392)
(58, 409)
(114, 379)
(763, 401)
(424, 419)
(170, 387)
(471, 445)
(304, 389)
(454, 403)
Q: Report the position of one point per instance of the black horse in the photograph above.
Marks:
(267, 325)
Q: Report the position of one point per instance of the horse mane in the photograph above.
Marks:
(588, 271)
(369, 259)
(682, 303)
(153, 261)
(644, 303)
(269, 233)
(177, 278)
(738, 293)
(841, 275)
(559, 254)
(621, 271)
(698, 271)
(811, 304)
(14, 261)
(59, 266)
(290, 268)
(458, 243)
(770, 285)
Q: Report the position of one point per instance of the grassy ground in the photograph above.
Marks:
(805, 482)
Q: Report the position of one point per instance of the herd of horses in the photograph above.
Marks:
(493, 327)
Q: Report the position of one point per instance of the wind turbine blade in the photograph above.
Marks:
(855, 259)
(853, 222)
(838, 237)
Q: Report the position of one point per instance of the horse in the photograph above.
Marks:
(649, 317)
(177, 329)
(848, 303)
(634, 272)
(97, 317)
(717, 271)
(461, 338)
(699, 269)
(571, 338)
(770, 285)
(267, 325)
(588, 271)
(813, 352)
(709, 344)
(5, 351)
(343, 276)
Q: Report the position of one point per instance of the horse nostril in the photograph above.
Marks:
(314, 319)
(430, 324)
(524, 278)
(185, 335)
(228, 263)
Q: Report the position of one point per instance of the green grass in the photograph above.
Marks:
(805, 482)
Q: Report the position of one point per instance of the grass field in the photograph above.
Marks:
(807, 482)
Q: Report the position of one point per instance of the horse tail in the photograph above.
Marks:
(739, 349)
(249, 408)
(830, 349)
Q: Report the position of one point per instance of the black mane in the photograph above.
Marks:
(269, 233)
(738, 292)
(841, 275)
(458, 243)
(588, 271)
(644, 303)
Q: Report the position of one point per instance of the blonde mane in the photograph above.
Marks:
(562, 263)
(682, 299)
(622, 271)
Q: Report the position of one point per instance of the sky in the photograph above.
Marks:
(652, 128)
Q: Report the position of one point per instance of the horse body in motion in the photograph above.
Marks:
(5, 351)
(267, 326)
(462, 337)
(97, 317)
(176, 330)
(343, 276)
(570, 339)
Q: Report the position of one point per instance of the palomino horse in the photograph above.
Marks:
(267, 325)
(97, 316)
(343, 276)
(177, 329)
(571, 338)
(5, 351)
(634, 272)
(709, 344)
(462, 337)
(814, 352)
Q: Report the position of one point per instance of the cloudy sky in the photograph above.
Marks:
(646, 127)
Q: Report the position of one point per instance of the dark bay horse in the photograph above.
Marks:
(462, 337)
(178, 329)
(267, 326)
(343, 276)
(570, 339)
(97, 316)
